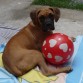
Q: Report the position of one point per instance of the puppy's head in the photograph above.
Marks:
(44, 18)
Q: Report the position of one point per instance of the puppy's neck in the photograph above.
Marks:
(38, 33)
(35, 27)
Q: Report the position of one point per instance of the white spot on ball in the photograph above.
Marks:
(44, 43)
(58, 58)
(59, 39)
(45, 49)
(49, 55)
(52, 42)
(64, 47)
(69, 49)
(62, 34)
(68, 57)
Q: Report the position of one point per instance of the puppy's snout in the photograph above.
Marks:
(48, 24)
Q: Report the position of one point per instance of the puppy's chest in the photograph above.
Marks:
(38, 44)
(39, 39)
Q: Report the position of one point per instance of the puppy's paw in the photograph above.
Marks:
(68, 69)
(73, 39)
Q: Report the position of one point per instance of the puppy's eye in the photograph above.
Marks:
(42, 18)
(51, 16)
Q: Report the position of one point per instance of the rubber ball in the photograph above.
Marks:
(58, 48)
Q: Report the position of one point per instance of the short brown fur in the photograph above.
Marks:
(23, 51)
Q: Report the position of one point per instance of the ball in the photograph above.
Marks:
(57, 48)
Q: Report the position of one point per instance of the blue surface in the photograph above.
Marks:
(6, 77)
(2, 46)
(76, 76)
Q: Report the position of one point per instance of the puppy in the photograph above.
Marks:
(23, 51)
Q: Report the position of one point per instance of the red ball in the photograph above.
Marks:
(58, 48)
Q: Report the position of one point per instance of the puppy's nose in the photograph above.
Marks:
(48, 24)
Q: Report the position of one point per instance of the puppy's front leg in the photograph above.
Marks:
(38, 59)
(47, 71)
(59, 70)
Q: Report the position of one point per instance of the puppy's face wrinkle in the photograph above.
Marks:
(47, 22)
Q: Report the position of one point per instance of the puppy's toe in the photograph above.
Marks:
(73, 39)
(69, 69)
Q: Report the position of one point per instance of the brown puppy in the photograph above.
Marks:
(23, 51)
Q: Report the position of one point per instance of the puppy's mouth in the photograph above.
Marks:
(47, 24)
(48, 27)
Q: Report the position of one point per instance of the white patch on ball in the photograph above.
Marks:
(44, 43)
(52, 42)
(49, 55)
(58, 58)
(64, 47)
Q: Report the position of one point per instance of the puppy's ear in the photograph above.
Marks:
(56, 12)
(34, 17)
